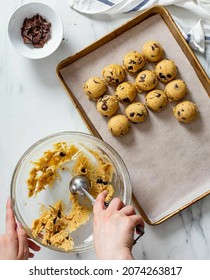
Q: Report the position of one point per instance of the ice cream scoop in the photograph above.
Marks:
(80, 184)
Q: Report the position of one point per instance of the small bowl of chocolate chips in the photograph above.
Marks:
(35, 30)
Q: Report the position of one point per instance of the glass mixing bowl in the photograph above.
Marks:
(27, 209)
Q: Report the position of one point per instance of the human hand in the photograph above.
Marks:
(113, 230)
(14, 244)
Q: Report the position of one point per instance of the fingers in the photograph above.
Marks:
(10, 220)
(128, 210)
(99, 202)
(23, 250)
(116, 204)
(32, 245)
(137, 221)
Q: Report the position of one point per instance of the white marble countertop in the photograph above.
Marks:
(33, 104)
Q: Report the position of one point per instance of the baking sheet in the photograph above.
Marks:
(167, 161)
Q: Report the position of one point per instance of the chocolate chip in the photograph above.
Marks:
(109, 79)
(133, 62)
(169, 76)
(142, 78)
(83, 170)
(117, 81)
(132, 114)
(176, 86)
(158, 95)
(62, 154)
(96, 81)
(162, 76)
(140, 114)
(100, 181)
(126, 99)
(104, 107)
(130, 67)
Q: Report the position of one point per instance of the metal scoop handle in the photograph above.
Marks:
(106, 204)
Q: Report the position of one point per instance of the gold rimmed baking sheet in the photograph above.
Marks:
(167, 161)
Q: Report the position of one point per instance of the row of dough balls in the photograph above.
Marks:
(114, 75)
(185, 111)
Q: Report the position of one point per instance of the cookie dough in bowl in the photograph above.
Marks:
(153, 51)
(186, 111)
(118, 125)
(42, 202)
(176, 90)
(113, 74)
(166, 70)
(94, 87)
(156, 100)
(136, 112)
(146, 81)
(133, 62)
(107, 105)
(126, 92)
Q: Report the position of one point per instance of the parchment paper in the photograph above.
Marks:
(168, 161)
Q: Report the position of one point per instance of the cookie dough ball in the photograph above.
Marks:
(186, 111)
(136, 112)
(166, 70)
(153, 51)
(126, 92)
(133, 62)
(113, 74)
(107, 105)
(146, 80)
(176, 90)
(94, 87)
(118, 125)
(156, 100)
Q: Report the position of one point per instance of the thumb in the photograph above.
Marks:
(23, 250)
(10, 220)
(99, 202)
